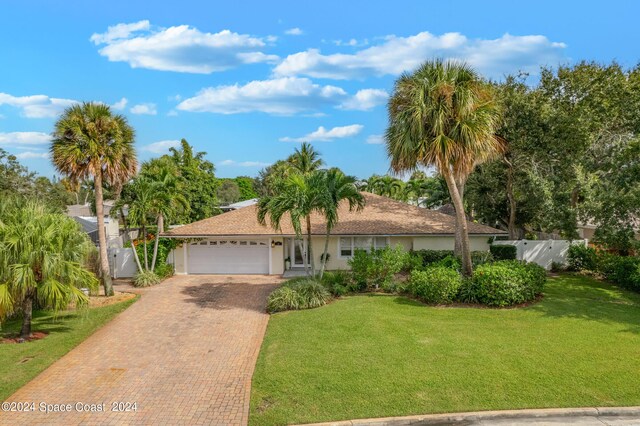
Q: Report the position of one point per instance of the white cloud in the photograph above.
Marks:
(244, 163)
(22, 139)
(494, 57)
(32, 154)
(324, 135)
(161, 147)
(375, 139)
(366, 99)
(282, 96)
(36, 106)
(145, 109)
(120, 105)
(180, 48)
(351, 42)
(294, 31)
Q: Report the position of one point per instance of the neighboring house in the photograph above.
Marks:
(235, 243)
(111, 226)
(587, 230)
(79, 210)
(239, 205)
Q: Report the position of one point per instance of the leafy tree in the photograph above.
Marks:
(41, 258)
(245, 185)
(200, 181)
(90, 141)
(14, 177)
(271, 177)
(443, 115)
(228, 191)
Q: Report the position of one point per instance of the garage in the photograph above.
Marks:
(228, 256)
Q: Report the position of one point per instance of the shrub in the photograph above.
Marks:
(164, 270)
(558, 267)
(311, 292)
(507, 282)
(377, 268)
(468, 291)
(298, 293)
(436, 284)
(581, 257)
(450, 262)
(621, 270)
(503, 252)
(429, 257)
(146, 279)
(337, 282)
(283, 299)
(395, 286)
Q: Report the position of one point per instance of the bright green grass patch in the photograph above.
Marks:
(378, 356)
(19, 363)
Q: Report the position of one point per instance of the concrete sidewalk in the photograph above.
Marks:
(596, 416)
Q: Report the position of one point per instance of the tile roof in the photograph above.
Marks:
(381, 216)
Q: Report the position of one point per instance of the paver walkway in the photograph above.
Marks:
(184, 353)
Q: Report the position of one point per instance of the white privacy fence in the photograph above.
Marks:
(122, 263)
(542, 252)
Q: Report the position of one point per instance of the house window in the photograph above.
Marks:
(348, 245)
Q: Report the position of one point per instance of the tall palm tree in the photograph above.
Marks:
(89, 141)
(167, 202)
(443, 115)
(41, 258)
(337, 188)
(299, 196)
(305, 160)
(388, 186)
(414, 189)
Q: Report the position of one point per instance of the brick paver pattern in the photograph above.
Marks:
(184, 353)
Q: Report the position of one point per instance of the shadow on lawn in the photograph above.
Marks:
(570, 296)
(229, 295)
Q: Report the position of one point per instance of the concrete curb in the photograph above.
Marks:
(476, 416)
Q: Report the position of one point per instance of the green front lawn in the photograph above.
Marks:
(378, 355)
(19, 363)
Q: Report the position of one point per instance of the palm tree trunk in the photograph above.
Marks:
(27, 315)
(310, 247)
(144, 246)
(155, 243)
(457, 249)
(461, 222)
(128, 234)
(324, 255)
(303, 252)
(102, 237)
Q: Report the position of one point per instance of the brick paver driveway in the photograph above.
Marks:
(184, 353)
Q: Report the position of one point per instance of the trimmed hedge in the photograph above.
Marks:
(621, 270)
(436, 284)
(507, 282)
(503, 252)
(581, 257)
(430, 257)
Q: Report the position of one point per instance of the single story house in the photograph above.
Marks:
(235, 243)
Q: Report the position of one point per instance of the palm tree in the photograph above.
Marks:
(443, 115)
(305, 160)
(337, 188)
(90, 141)
(299, 196)
(41, 258)
(167, 202)
(388, 186)
(414, 189)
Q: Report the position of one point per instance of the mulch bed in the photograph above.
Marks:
(36, 335)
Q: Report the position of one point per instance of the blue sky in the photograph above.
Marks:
(246, 81)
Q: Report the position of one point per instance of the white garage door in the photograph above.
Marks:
(229, 257)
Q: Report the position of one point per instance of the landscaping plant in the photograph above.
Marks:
(378, 267)
(435, 284)
(508, 282)
(298, 293)
(503, 252)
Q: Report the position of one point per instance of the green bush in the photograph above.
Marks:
(581, 258)
(165, 245)
(450, 262)
(337, 282)
(145, 279)
(558, 267)
(468, 291)
(621, 270)
(436, 284)
(507, 282)
(377, 268)
(503, 252)
(283, 299)
(298, 293)
(425, 258)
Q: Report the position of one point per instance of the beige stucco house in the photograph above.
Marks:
(235, 243)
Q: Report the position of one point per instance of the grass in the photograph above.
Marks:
(377, 356)
(19, 363)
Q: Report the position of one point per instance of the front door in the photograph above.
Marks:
(297, 252)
